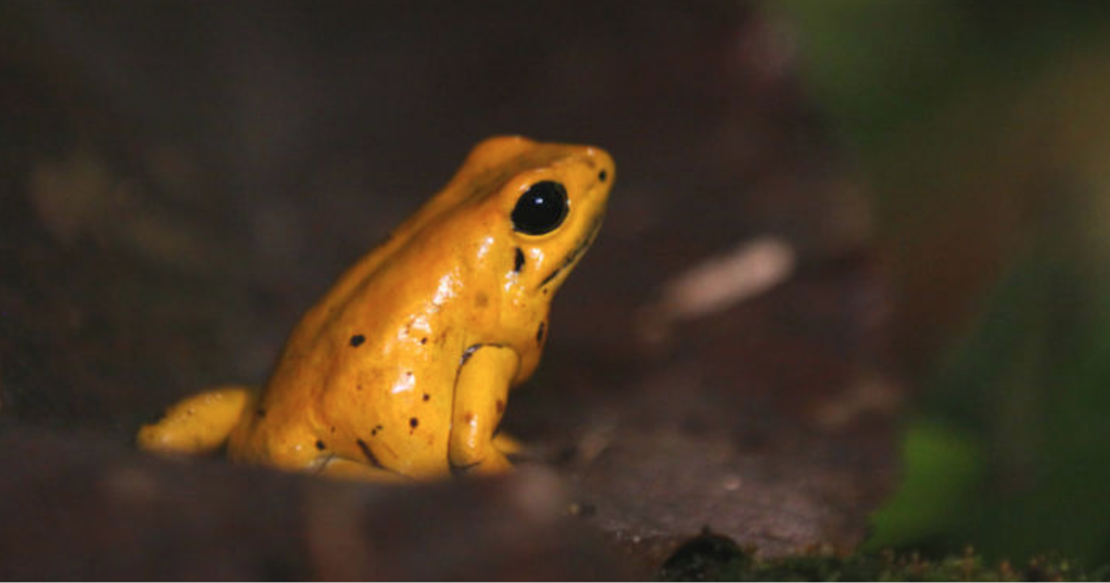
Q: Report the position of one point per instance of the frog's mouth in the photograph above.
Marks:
(576, 253)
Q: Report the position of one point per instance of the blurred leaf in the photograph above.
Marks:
(943, 469)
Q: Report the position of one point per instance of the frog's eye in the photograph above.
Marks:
(541, 209)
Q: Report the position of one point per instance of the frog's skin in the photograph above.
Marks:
(403, 369)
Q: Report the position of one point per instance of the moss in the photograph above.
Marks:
(712, 557)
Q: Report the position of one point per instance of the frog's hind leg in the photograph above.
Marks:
(200, 423)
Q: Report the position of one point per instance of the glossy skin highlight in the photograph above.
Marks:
(405, 366)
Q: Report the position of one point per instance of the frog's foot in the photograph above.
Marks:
(494, 462)
(197, 424)
(336, 467)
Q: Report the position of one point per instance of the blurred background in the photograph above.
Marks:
(983, 128)
(180, 180)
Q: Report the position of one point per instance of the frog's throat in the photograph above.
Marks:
(576, 253)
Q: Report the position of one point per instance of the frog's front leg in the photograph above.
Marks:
(481, 392)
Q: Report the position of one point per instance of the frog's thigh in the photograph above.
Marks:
(197, 424)
(352, 470)
(481, 393)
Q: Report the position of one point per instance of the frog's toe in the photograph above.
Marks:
(507, 444)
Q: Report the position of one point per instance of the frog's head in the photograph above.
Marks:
(550, 200)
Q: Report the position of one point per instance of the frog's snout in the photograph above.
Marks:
(602, 162)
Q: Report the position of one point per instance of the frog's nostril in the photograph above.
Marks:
(603, 175)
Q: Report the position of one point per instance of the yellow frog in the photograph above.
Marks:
(404, 367)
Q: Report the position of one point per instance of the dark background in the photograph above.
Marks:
(179, 181)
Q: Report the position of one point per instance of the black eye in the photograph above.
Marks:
(541, 209)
